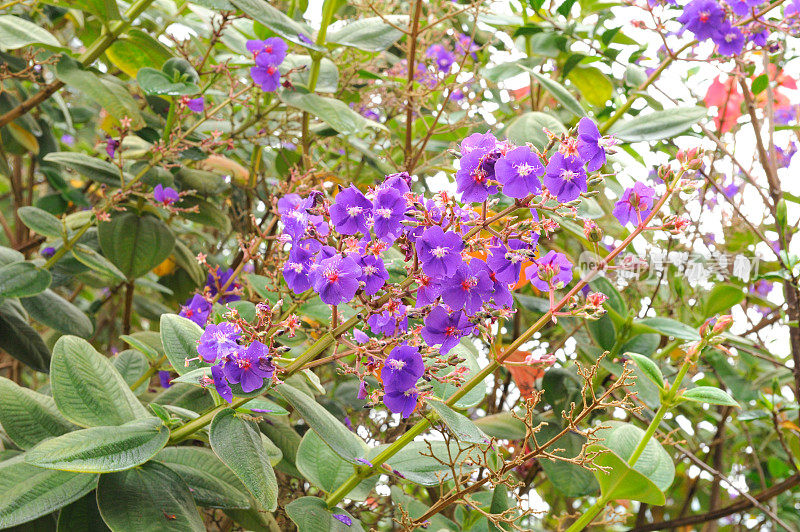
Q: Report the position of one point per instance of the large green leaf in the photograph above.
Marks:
(23, 279)
(460, 425)
(372, 34)
(213, 485)
(91, 167)
(148, 498)
(16, 32)
(570, 479)
(87, 389)
(311, 514)
(81, 516)
(502, 425)
(658, 125)
(137, 49)
(135, 244)
(41, 221)
(275, 20)
(654, 462)
(528, 128)
(669, 327)
(709, 395)
(333, 112)
(648, 367)
(30, 492)
(594, 86)
(132, 365)
(721, 298)
(415, 464)
(29, 417)
(179, 336)
(20, 340)
(559, 92)
(330, 429)
(156, 82)
(325, 469)
(49, 308)
(445, 390)
(102, 449)
(238, 444)
(620, 481)
(89, 257)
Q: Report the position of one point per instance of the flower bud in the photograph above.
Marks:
(592, 231)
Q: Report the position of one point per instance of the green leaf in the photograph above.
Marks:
(561, 386)
(238, 444)
(570, 479)
(179, 336)
(592, 84)
(135, 244)
(89, 257)
(23, 279)
(102, 449)
(460, 425)
(615, 299)
(30, 492)
(372, 34)
(669, 327)
(29, 417)
(49, 308)
(132, 364)
(635, 76)
(87, 389)
(333, 112)
(16, 32)
(559, 93)
(149, 498)
(325, 469)
(709, 395)
(148, 342)
(623, 482)
(417, 509)
(20, 340)
(41, 221)
(721, 298)
(275, 20)
(759, 84)
(444, 390)
(413, 462)
(327, 427)
(654, 463)
(260, 406)
(91, 167)
(502, 426)
(81, 516)
(649, 368)
(135, 50)
(311, 514)
(212, 484)
(658, 125)
(156, 82)
(300, 67)
(528, 128)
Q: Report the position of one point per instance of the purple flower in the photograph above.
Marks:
(635, 204)
(270, 51)
(759, 38)
(349, 212)
(362, 390)
(401, 402)
(68, 139)
(439, 252)
(165, 195)
(444, 58)
(446, 329)
(729, 39)
(218, 279)
(296, 219)
(465, 45)
(483, 142)
(48, 252)
(196, 105)
(304, 38)
(519, 171)
(785, 155)
(473, 177)
(505, 262)
(373, 274)
(499, 292)
(268, 78)
(546, 272)
(111, 147)
(739, 7)
(196, 309)
(468, 288)
(219, 341)
(589, 148)
(297, 268)
(224, 391)
(164, 378)
(429, 289)
(702, 18)
(388, 211)
(336, 279)
(399, 181)
(249, 367)
(360, 337)
(565, 177)
(403, 368)
(343, 519)
(391, 321)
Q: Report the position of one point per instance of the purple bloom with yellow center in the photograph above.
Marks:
(336, 279)
(439, 251)
(519, 171)
(219, 341)
(401, 402)
(468, 288)
(249, 367)
(547, 272)
(221, 385)
(349, 213)
(590, 145)
(635, 204)
(565, 177)
(702, 18)
(165, 195)
(445, 328)
(373, 274)
(388, 211)
(402, 368)
(197, 309)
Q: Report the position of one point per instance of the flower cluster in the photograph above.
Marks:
(707, 19)
(268, 55)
